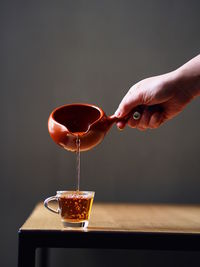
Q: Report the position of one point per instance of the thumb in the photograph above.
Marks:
(131, 100)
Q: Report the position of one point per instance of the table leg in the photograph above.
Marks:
(43, 257)
(26, 253)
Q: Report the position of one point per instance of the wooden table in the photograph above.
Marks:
(121, 226)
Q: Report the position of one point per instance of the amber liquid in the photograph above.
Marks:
(75, 207)
(78, 160)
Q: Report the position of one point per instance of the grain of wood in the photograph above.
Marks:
(126, 217)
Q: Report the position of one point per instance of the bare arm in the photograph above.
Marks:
(163, 96)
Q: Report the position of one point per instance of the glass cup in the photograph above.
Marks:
(73, 206)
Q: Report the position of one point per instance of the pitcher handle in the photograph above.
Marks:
(46, 202)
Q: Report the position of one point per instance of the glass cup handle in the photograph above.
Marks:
(46, 202)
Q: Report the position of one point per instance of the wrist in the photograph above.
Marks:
(189, 75)
(188, 81)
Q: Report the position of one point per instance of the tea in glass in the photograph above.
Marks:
(74, 207)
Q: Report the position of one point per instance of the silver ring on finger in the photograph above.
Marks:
(136, 115)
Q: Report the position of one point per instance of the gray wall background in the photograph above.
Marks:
(57, 52)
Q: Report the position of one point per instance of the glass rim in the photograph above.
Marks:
(74, 192)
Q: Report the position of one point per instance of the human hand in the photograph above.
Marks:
(162, 97)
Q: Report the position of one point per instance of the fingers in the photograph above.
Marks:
(144, 120)
(156, 120)
(121, 125)
(149, 120)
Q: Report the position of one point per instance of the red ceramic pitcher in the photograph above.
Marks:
(85, 121)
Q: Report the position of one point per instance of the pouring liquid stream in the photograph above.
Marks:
(78, 161)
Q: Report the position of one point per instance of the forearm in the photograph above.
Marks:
(189, 76)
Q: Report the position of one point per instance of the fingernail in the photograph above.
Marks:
(121, 129)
